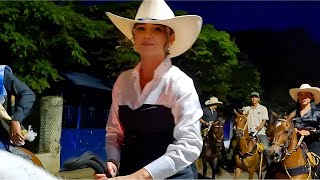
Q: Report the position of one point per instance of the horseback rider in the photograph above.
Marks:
(11, 86)
(307, 116)
(257, 118)
(210, 112)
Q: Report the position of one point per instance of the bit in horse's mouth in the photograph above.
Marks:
(275, 157)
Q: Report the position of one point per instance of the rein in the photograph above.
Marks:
(251, 153)
(286, 144)
(286, 153)
(245, 126)
(214, 135)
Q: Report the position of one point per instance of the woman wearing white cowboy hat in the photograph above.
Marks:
(153, 129)
(307, 116)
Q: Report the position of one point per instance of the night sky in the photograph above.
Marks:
(245, 15)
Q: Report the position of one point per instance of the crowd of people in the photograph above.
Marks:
(155, 121)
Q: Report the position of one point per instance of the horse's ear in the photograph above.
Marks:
(236, 112)
(274, 114)
(291, 116)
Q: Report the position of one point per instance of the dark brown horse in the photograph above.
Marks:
(248, 156)
(212, 147)
(287, 152)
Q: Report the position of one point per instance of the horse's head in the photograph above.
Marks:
(240, 123)
(282, 135)
(216, 130)
(271, 126)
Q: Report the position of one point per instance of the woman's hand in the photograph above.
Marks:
(100, 176)
(303, 132)
(112, 170)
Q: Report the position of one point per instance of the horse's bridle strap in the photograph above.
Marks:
(298, 170)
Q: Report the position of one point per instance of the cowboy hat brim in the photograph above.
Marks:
(315, 91)
(186, 29)
(210, 103)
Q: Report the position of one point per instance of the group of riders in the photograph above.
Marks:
(306, 122)
(306, 117)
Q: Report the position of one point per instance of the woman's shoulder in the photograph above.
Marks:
(178, 74)
(125, 74)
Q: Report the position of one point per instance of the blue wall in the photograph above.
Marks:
(74, 142)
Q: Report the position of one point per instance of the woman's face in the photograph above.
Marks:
(305, 97)
(152, 39)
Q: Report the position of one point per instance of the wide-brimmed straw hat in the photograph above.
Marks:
(305, 88)
(213, 100)
(186, 28)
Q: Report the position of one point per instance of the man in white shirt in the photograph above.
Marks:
(257, 118)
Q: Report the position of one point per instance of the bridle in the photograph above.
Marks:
(284, 146)
(219, 125)
(240, 131)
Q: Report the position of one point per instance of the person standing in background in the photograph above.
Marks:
(10, 87)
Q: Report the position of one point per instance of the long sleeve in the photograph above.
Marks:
(188, 145)
(115, 133)
(25, 97)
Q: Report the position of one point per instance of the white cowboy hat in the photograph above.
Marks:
(305, 88)
(213, 100)
(186, 28)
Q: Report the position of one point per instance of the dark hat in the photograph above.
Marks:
(255, 94)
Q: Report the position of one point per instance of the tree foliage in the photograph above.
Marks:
(213, 64)
(39, 39)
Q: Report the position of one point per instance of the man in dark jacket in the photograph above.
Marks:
(11, 86)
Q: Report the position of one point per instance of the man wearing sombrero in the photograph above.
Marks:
(210, 112)
(307, 116)
(153, 129)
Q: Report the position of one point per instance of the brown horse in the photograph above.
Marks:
(212, 147)
(288, 153)
(248, 156)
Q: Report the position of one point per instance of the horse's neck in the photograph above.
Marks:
(293, 141)
(210, 135)
(246, 143)
(296, 157)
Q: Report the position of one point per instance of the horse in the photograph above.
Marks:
(212, 147)
(248, 155)
(287, 152)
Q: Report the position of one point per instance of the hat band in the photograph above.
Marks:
(144, 19)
